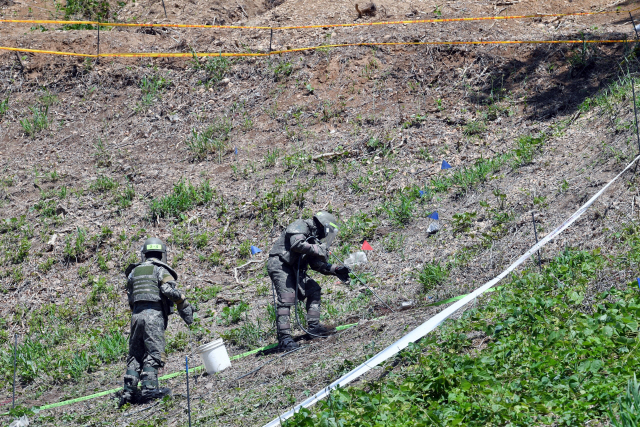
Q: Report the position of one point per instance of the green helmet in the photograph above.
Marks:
(326, 224)
(154, 248)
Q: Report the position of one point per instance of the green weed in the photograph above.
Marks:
(4, 106)
(400, 211)
(39, 120)
(432, 275)
(151, 87)
(184, 197)
(249, 335)
(103, 183)
(271, 158)
(628, 406)
(211, 140)
(527, 146)
(206, 294)
(75, 245)
(462, 222)
(233, 314)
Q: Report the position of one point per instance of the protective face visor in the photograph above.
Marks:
(330, 231)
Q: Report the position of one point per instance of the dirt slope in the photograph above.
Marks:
(389, 115)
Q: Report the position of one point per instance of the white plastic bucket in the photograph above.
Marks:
(215, 356)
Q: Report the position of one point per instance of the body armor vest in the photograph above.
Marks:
(145, 284)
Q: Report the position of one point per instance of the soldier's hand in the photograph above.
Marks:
(342, 273)
(186, 312)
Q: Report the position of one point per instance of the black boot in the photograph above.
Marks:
(317, 328)
(150, 388)
(130, 392)
(286, 343)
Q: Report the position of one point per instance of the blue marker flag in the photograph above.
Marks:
(236, 151)
(445, 165)
(255, 250)
(434, 215)
(421, 193)
(638, 282)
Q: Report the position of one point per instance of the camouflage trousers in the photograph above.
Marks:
(146, 345)
(284, 281)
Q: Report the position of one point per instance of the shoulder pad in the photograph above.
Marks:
(166, 267)
(129, 269)
(298, 227)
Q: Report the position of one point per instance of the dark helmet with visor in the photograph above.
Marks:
(326, 225)
(154, 248)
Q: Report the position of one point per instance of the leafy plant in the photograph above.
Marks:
(527, 146)
(249, 335)
(206, 294)
(282, 69)
(474, 128)
(462, 222)
(233, 314)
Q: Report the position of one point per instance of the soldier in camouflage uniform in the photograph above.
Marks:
(298, 248)
(152, 292)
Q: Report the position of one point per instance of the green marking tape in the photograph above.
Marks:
(166, 377)
(459, 297)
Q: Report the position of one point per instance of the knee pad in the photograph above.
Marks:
(287, 299)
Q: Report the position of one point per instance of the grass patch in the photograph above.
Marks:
(38, 121)
(151, 88)
(184, 196)
(213, 139)
(432, 274)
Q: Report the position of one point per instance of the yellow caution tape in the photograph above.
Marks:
(279, 52)
(358, 24)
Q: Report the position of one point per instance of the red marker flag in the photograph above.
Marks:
(366, 246)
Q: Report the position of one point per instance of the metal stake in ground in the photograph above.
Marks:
(535, 233)
(186, 361)
(270, 40)
(98, 57)
(165, 10)
(15, 349)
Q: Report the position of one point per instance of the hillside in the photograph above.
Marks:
(214, 155)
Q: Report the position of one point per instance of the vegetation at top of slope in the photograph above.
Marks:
(551, 356)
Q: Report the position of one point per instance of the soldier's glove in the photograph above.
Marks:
(341, 273)
(185, 310)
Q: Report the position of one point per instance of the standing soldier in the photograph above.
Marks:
(152, 292)
(298, 248)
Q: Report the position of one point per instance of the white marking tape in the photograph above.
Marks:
(436, 320)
